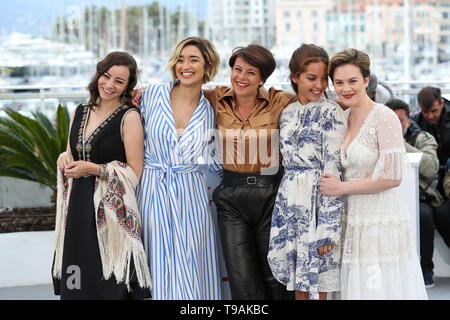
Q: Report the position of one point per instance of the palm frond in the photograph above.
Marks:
(17, 129)
(14, 173)
(29, 147)
(44, 145)
(45, 122)
(62, 128)
(16, 147)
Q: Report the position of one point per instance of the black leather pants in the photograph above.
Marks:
(244, 216)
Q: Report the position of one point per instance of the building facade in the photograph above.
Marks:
(240, 22)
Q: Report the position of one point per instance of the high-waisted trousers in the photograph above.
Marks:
(244, 214)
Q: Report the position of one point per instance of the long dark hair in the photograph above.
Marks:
(116, 58)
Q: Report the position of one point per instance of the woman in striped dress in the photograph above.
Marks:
(179, 233)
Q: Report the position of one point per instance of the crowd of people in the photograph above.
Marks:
(308, 202)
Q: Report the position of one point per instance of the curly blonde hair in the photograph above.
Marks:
(209, 53)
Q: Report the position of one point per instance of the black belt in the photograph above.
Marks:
(231, 178)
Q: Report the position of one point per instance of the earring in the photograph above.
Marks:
(122, 99)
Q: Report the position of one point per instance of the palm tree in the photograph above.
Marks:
(30, 147)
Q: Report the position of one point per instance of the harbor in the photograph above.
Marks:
(48, 59)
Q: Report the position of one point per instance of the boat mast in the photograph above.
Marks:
(123, 26)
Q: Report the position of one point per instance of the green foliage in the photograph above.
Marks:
(29, 147)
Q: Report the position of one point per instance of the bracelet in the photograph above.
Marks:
(103, 173)
(86, 175)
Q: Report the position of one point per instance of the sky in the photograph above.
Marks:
(38, 17)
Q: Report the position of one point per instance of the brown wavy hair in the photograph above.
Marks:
(352, 56)
(302, 57)
(116, 58)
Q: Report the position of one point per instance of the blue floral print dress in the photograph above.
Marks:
(311, 136)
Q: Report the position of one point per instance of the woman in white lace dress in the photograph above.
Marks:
(379, 259)
(304, 250)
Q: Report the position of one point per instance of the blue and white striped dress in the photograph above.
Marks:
(179, 232)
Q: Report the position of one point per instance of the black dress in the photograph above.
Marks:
(82, 275)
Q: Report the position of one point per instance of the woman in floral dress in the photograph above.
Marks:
(306, 225)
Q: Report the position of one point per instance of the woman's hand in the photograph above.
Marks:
(330, 185)
(137, 94)
(76, 169)
(341, 103)
(63, 160)
(326, 249)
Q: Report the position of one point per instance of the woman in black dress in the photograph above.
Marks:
(105, 129)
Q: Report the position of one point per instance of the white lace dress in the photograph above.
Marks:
(379, 259)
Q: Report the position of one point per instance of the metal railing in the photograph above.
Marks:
(67, 92)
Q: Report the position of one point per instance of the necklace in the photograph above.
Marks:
(93, 108)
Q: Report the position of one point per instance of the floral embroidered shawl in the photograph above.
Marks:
(119, 228)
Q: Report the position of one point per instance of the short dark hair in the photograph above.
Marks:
(116, 58)
(427, 96)
(257, 56)
(302, 57)
(397, 104)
